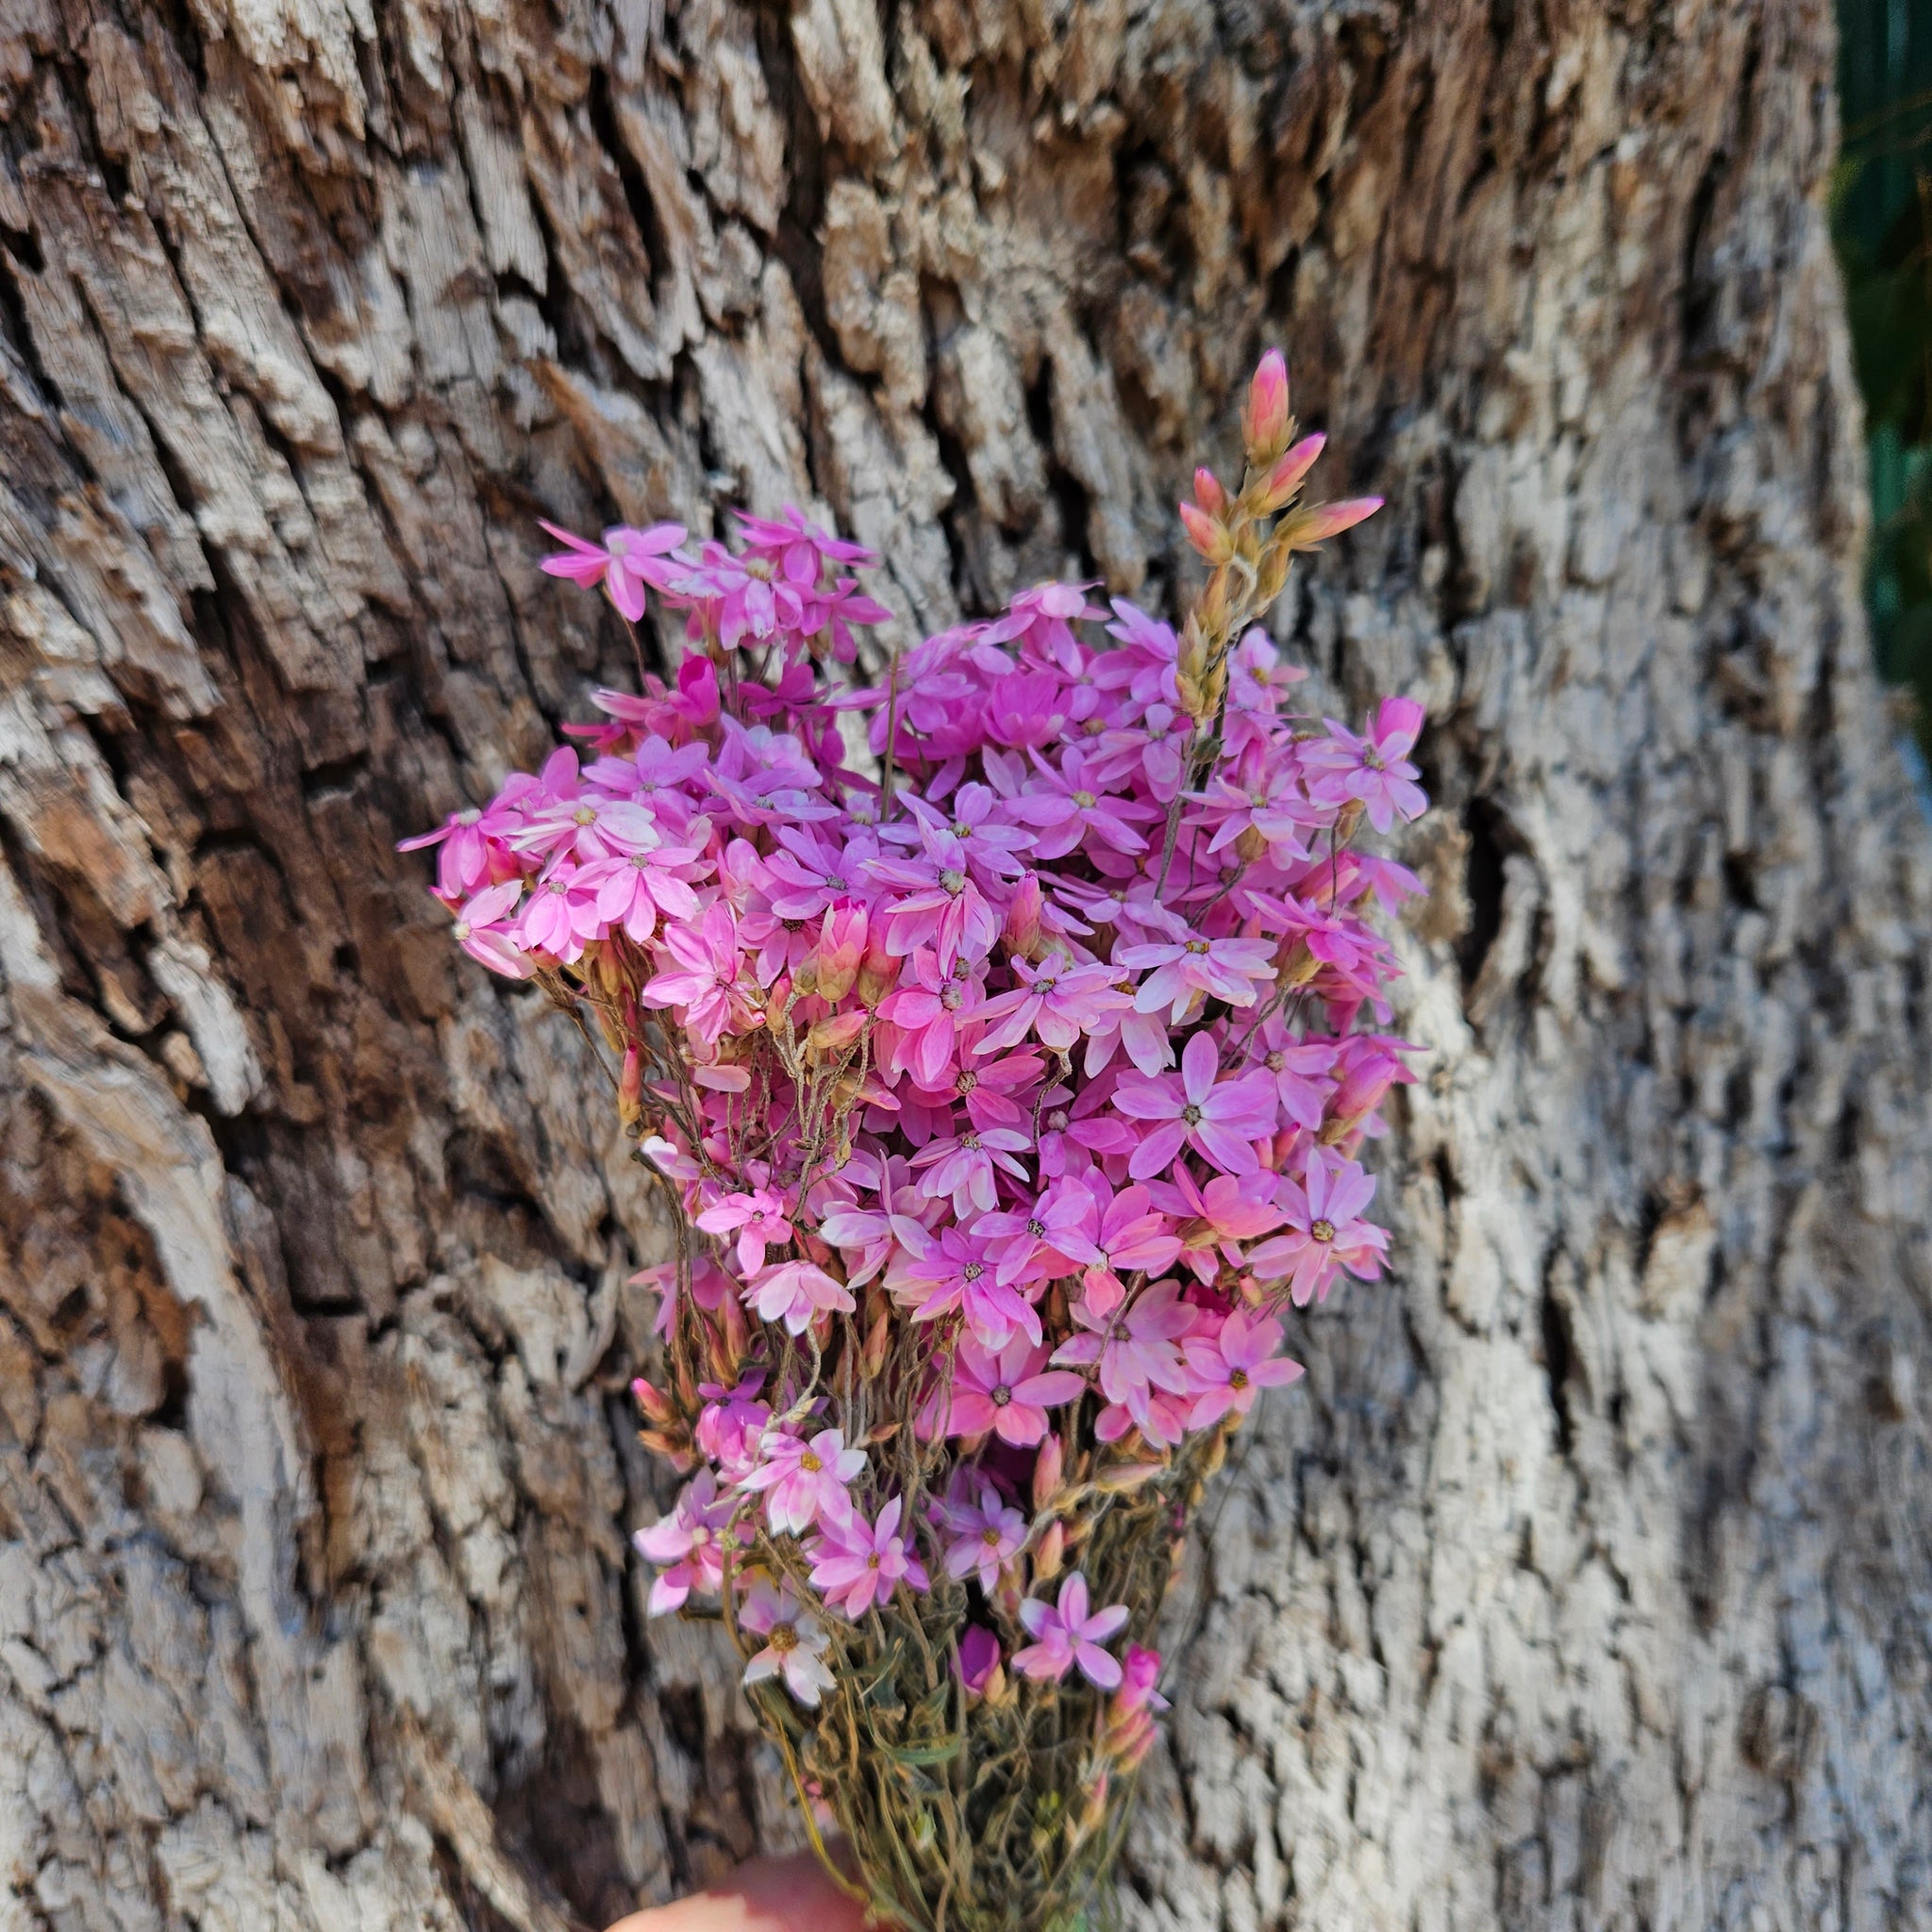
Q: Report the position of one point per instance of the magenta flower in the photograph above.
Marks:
(984, 1536)
(485, 930)
(1372, 768)
(689, 1544)
(979, 1657)
(632, 891)
(1056, 1002)
(858, 1564)
(941, 906)
(1229, 1369)
(958, 1272)
(1231, 1209)
(1038, 1243)
(803, 1482)
(795, 1641)
(733, 1422)
(803, 550)
(1123, 1234)
(924, 1017)
(1067, 1634)
(1218, 1118)
(559, 918)
(1134, 1349)
(796, 1293)
(1184, 971)
(1324, 1230)
(707, 984)
(1070, 804)
(758, 1219)
(966, 1166)
(1008, 1391)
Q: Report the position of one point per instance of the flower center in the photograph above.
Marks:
(1192, 1114)
(970, 1142)
(952, 999)
(1037, 1229)
(1195, 946)
(952, 881)
(1323, 1231)
(1085, 800)
(1373, 758)
(1239, 1379)
(1276, 1060)
(872, 1562)
(640, 859)
(760, 568)
(989, 1536)
(700, 1537)
(584, 816)
(810, 1463)
(1044, 987)
(784, 1638)
(1001, 1396)
(966, 1082)
(961, 829)
(1056, 1121)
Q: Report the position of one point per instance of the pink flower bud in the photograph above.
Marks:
(1285, 477)
(1208, 534)
(979, 1657)
(657, 1407)
(1047, 1468)
(878, 972)
(1208, 492)
(1264, 417)
(631, 1087)
(1312, 526)
(841, 948)
(1049, 1552)
(1366, 1070)
(835, 1034)
(1022, 933)
(1139, 1674)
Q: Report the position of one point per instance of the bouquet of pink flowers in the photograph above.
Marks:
(993, 1024)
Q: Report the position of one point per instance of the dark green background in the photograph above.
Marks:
(1882, 224)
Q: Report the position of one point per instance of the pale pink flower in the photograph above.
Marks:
(858, 1564)
(1007, 1392)
(1218, 1118)
(707, 984)
(1123, 1234)
(1183, 971)
(1056, 1001)
(803, 1482)
(795, 1641)
(796, 1293)
(958, 1272)
(758, 1219)
(1069, 1633)
(1229, 1369)
(689, 1544)
(626, 563)
(1324, 1230)
(1134, 1349)
(485, 930)
(985, 1533)
(1374, 768)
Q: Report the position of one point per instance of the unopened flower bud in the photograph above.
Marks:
(1022, 932)
(654, 1403)
(1264, 415)
(737, 1330)
(878, 972)
(630, 1087)
(1286, 477)
(879, 1343)
(979, 1659)
(839, 950)
(777, 1000)
(1049, 1552)
(1047, 1466)
(1307, 528)
(832, 1034)
(1208, 492)
(1208, 534)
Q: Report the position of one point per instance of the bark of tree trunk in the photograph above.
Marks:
(1587, 1581)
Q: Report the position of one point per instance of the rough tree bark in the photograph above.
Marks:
(1583, 1584)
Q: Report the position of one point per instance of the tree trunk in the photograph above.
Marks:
(1584, 1582)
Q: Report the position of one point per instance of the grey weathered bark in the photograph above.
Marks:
(1587, 1581)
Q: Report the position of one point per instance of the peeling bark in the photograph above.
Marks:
(1585, 1581)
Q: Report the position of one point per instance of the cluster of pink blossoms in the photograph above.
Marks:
(1011, 1081)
